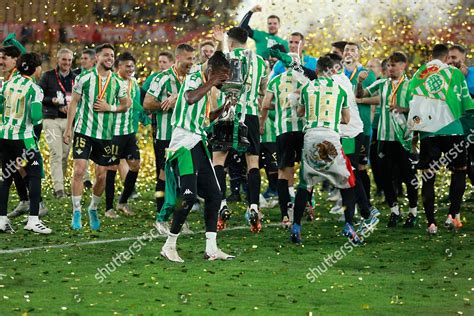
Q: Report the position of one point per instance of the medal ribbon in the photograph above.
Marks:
(175, 72)
(353, 74)
(393, 95)
(60, 83)
(104, 89)
(11, 73)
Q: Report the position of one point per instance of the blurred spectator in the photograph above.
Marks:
(26, 33)
(57, 88)
(62, 34)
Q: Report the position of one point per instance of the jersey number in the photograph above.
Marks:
(15, 105)
(327, 106)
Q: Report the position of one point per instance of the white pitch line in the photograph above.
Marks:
(108, 241)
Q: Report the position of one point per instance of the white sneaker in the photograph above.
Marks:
(126, 209)
(162, 228)
(263, 202)
(432, 230)
(171, 254)
(185, 229)
(37, 226)
(334, 195)
(111, 214)
(22, 208)
(337, 209)
(285, 222)
(6, 225)
(218, 255)
(196, 207)
(43, 210)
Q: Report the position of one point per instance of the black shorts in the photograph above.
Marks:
(364, 151)
(452, 147)
(253, 134)
(124, 147)
(268, 156)
(160, 152)
(22, 153)
(98, 150)
(290, 146)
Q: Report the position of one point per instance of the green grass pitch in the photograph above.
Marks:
(396, 272)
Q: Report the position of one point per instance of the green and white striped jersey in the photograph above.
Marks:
(192, 117)
(385, 88)
(90, 86)
(286, 89)
(18, 97)
(269, 133)
(164, 84)
(323, 100)
(248, 102)
(149, 80)
(124, 122)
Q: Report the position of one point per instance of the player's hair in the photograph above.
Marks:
(273, 16)
(168, 55)
(64, 51)
(325, 64)
(352, 44)
(206, 43)
(279, 47)
(183, 47)
(439, 51)
(89, 52)
(125, 56)
(398, 57)
(238, 34)
(26, 64)
(99, 48)
(298, 34)
(11, 51)
(384, 64)
(334, 57)
(218, 60)
(339, 45)
(459, 48)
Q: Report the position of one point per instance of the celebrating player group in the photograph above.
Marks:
(226, 110)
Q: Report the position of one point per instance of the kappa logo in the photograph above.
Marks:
(35, 163)
(188, 192)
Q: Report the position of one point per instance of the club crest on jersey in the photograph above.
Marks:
(434, 83)
(428, 71)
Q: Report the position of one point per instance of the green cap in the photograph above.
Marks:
(10, 40)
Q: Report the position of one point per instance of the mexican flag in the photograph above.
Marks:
(438, 96)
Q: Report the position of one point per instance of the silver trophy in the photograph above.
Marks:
(225, 130)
